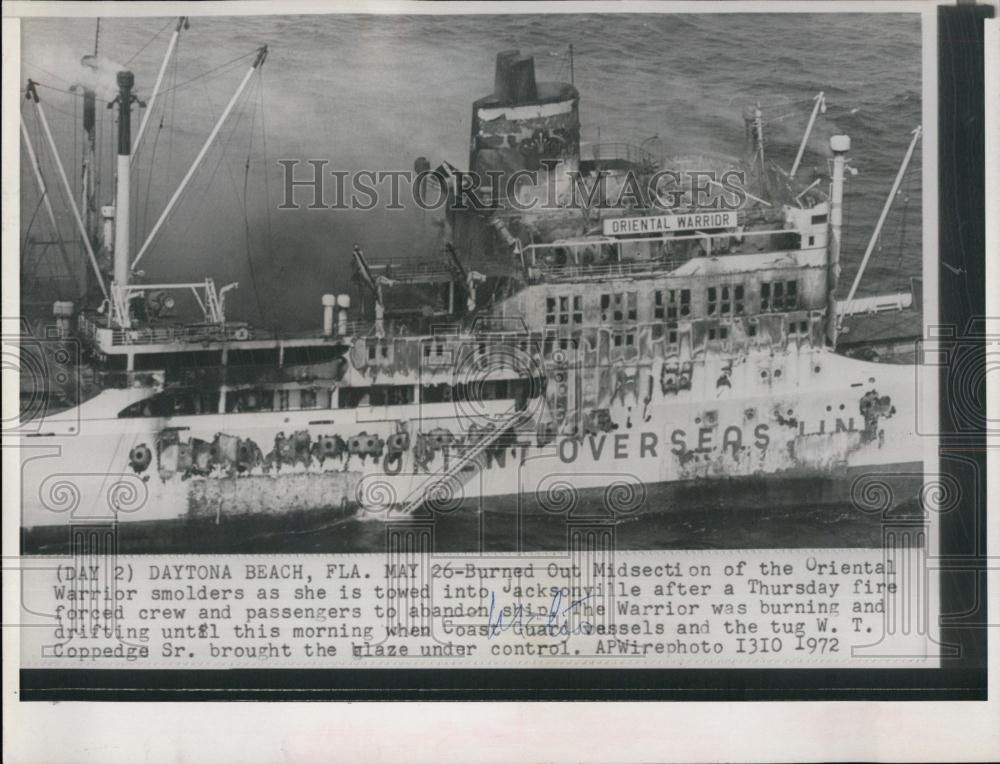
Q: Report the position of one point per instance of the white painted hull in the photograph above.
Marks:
(806, 422)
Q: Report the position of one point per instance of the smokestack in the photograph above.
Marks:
(501, 78)
(121, 271)
(522, 80)
(90, 135)
(839, 145)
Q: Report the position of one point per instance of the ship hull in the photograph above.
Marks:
(812, 435)
(853, 508)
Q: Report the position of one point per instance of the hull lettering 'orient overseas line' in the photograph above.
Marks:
(528, 358)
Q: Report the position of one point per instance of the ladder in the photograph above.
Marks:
(470, 456)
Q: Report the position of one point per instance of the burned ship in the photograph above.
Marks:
(550, 354)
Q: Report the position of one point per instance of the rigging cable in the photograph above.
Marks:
(77, 159)
(42, 145)
(904, 222)
(241, 110)
(149, 180)
(173, 111)
(267, 184)
(212, 71)
(149, 42)
(246, 215)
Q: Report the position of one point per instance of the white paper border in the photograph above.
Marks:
(461, 732)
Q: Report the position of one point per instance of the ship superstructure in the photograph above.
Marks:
(550, 347)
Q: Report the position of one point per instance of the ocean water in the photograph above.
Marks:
(376, 92)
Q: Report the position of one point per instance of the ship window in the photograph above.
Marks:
(371, 351)
(248, 401)
(381, 395)
(656, 332)
(282, 400)
(672, 335)
(619, 313)
(711, 334)
(752, 330)
(685, 302)
(738, 299)
(779, 295)
(618, 340)
(307, 399)
(633, 302)
(658, 304)
(605, 305)
(713, 300)
(577, 309)
(435, 393)
(727, 306)
(817, 219)
(557, 310)
(723, 333)
(812, 240)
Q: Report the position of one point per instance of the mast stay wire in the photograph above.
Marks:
(242, 200)
(240, 112)
(224, 144)
(149, 42)
(246, 214)
(267, 183)
(216, 71)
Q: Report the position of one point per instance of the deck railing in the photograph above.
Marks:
(187, 334)
(612, 151)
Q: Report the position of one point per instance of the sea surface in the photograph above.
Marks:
(376, 92)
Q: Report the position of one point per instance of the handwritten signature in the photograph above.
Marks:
(558, 621)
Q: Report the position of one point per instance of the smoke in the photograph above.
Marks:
(97, 73)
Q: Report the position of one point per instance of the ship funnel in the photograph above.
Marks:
(525, 124)
(126, 80)
(514, 81)
(839, 145)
